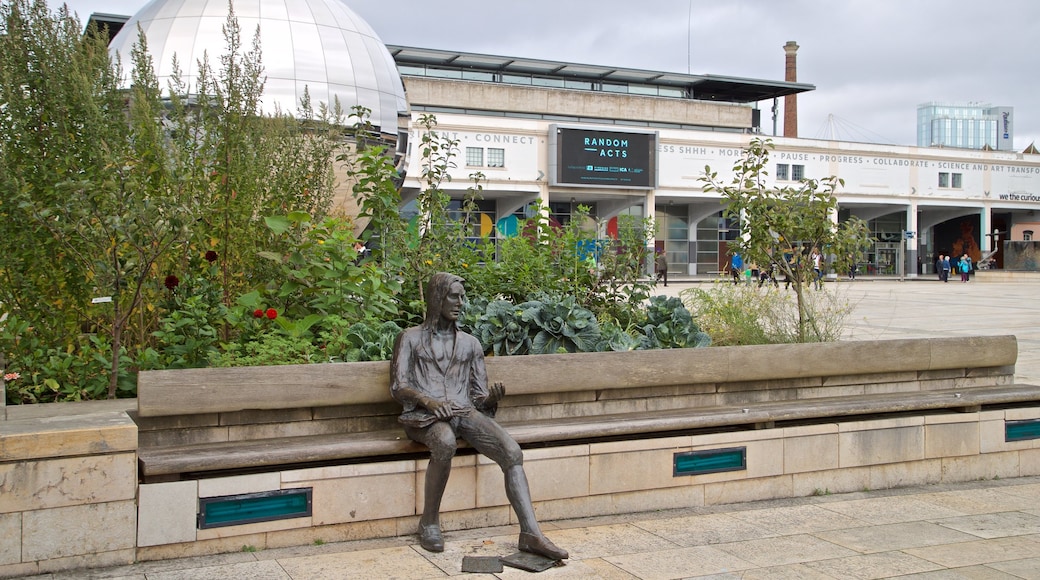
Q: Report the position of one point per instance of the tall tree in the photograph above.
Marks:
(57, 92)
(781, 226)
(100, 183)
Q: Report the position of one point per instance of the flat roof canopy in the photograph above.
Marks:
(703, 87)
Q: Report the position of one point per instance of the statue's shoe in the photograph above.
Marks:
(540, 545)
(430, 538)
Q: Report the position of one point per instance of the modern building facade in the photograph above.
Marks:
(970, 126)
(549, 135)
(520, 135)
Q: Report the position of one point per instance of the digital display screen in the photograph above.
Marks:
(593, 157)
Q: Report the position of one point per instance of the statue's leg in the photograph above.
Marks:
(440, 438)
(490, 439)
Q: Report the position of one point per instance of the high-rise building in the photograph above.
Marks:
(970, 126)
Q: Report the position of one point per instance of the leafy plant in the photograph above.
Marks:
(270, 349)
(502, 329)
(560, 326)
(670, 325)
(781, 226)
(367, 340)
(742, 314)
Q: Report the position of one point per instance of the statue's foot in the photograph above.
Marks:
(430, 538)
(539, 544)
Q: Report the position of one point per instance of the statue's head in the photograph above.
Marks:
(436, 291)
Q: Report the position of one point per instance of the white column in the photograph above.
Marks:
(986, 238)
(913, 244)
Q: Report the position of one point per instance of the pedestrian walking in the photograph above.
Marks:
(964, 267)
(817, 268)
(736, 267)
(661, 263)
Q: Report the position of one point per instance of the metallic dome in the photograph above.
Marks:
(319, 44)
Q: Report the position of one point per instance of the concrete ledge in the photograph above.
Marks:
(1004, 276)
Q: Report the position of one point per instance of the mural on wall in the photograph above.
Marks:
(1022, 256)
(957, 237)
(966, 244)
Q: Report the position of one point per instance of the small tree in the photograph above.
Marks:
(781, 226)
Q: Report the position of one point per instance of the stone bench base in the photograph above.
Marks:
(585, 479)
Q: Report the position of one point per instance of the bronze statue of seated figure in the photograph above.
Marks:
(437, 373)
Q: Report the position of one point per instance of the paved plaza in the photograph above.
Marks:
(978, 530)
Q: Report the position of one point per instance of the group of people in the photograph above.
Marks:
(944, 266)
(763, 275)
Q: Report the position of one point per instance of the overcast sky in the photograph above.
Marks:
(872, 61)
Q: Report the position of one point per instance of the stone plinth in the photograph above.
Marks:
(68, 487)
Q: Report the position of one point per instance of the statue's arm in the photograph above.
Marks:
(485, 397)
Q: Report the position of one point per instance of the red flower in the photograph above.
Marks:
(258, 313)
(171, 282)
(211, 256)
(272, 313)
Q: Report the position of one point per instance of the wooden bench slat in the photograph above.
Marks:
(793, 410)
(275, 451)
(163, 393)
(327, 448)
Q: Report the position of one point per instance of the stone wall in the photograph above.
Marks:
(68, 487)
(384, 499)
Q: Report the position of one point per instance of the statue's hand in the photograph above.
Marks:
(495, 393)
(440, 409)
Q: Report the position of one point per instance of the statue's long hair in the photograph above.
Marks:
(436, 290)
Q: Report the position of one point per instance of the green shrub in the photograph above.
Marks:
(744, 314)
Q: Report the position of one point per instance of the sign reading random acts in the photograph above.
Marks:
(598, 158)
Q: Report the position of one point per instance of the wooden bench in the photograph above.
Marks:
(199, 423)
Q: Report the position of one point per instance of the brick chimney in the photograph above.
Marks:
(791, 101)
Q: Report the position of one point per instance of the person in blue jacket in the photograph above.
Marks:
(736, 267)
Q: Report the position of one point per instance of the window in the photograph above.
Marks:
(956, 183)
(944, 180)
(1027, 236)
(547, 82)
(474, 156)
(581, 85)
(470, 75)
(797, 172)
(781, 171)
(496, 157)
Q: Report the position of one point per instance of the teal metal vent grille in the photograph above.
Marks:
(249, 508)
(1022, 430)
(711, 461)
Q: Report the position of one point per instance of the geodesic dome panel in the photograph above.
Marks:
(319, 44)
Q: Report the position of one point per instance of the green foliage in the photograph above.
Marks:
(102, 185)
(323, 273)
(602, 274)
(502, 330)
(73, 372)
(743, 314)
(367, 340)
(270, 348)
(561, 326)
(782, 226)
(547, 325)
(242, 166)
(670, 325)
